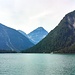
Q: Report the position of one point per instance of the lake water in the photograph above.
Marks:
(37, 64)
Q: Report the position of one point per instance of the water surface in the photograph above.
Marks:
(37, 64)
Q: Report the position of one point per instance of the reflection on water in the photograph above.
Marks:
(37, 64)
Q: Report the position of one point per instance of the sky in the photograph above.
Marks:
(27, 15)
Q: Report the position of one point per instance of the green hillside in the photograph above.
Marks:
(60, 39)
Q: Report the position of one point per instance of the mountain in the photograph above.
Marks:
(38, 34)
(60, 40)
(12, 40)
(23, 33)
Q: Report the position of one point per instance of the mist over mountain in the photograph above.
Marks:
(60, 40)
(38, 34)
(12, 40)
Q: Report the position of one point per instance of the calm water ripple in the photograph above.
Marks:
(37, 64)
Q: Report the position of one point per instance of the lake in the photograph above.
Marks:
(37, 64)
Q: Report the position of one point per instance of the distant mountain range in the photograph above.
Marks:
(38, 34)
(60, 40)
(26, 35)
(12, 41)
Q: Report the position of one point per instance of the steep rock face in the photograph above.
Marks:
(11, 39)
(38, 34)
(60, 40)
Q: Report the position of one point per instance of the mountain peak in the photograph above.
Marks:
(69, 20)
(40, 28)
(61, 39)
(38, 34)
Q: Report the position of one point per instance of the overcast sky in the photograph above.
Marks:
(27, 15)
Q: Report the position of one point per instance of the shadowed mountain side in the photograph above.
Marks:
(60, 39)
(11, 39)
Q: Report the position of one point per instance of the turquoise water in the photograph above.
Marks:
(37, 64)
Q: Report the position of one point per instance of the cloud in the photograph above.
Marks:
(29, 14)
(40, 15)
